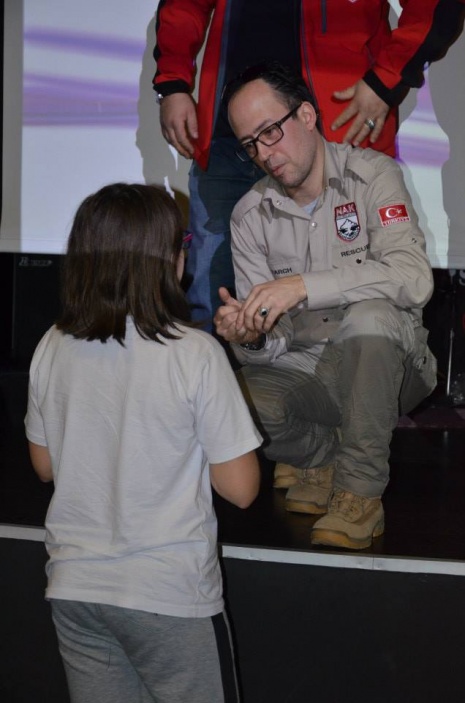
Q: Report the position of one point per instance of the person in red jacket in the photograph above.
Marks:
(358, 67)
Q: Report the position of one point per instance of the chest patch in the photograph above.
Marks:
(393, 214)
(347, 224)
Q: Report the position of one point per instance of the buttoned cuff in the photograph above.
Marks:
(322, 290)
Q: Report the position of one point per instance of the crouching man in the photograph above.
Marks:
(331, 275)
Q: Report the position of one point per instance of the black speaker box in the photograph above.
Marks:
(30, 303)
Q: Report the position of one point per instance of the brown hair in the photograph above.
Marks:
(121, 260)
(290, 87)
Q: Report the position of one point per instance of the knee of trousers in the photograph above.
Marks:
(265, 401)
(378, 319)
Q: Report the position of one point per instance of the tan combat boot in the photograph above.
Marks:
(351, 521)
(311, 494)
(286, 475)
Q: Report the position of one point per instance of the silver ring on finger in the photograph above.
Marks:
(263, 311)
(371, 124)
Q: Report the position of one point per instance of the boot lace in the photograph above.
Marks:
(350, 506)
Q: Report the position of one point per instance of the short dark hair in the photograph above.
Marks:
(121, 260)
(289, 84)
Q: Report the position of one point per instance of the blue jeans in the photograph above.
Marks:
(213, 195)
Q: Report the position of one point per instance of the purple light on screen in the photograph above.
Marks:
(83, 43)
(57, 100)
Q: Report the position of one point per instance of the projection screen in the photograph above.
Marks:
(79, 112)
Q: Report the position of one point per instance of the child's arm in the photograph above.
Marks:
(40, 458)
(237, 480)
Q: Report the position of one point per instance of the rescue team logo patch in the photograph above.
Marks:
(393, 214)
(347, 224)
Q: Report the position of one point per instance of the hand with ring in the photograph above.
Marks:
(267, 301)
(365, 111)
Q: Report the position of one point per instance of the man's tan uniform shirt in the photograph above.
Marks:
(361, 242)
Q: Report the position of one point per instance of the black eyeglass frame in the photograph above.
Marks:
(242, 154)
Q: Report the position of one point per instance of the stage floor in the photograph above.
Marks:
(424, 505)
(424, 502)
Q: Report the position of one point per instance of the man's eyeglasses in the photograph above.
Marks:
(268, 136)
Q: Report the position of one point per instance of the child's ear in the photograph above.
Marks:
(180, 264)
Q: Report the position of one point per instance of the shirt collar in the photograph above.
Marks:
(339, 159)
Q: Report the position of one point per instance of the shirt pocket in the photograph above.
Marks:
(350, 254)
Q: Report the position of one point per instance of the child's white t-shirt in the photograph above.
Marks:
(131, 432)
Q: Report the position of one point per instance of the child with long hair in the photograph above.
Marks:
(134, 414)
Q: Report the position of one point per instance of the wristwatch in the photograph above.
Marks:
(255, 346)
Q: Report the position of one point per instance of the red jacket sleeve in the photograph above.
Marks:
(425, 31)
(181, 26)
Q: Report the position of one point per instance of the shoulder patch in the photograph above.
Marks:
(393, 214)
(347, 224)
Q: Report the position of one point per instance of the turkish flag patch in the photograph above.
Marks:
(393, 215)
